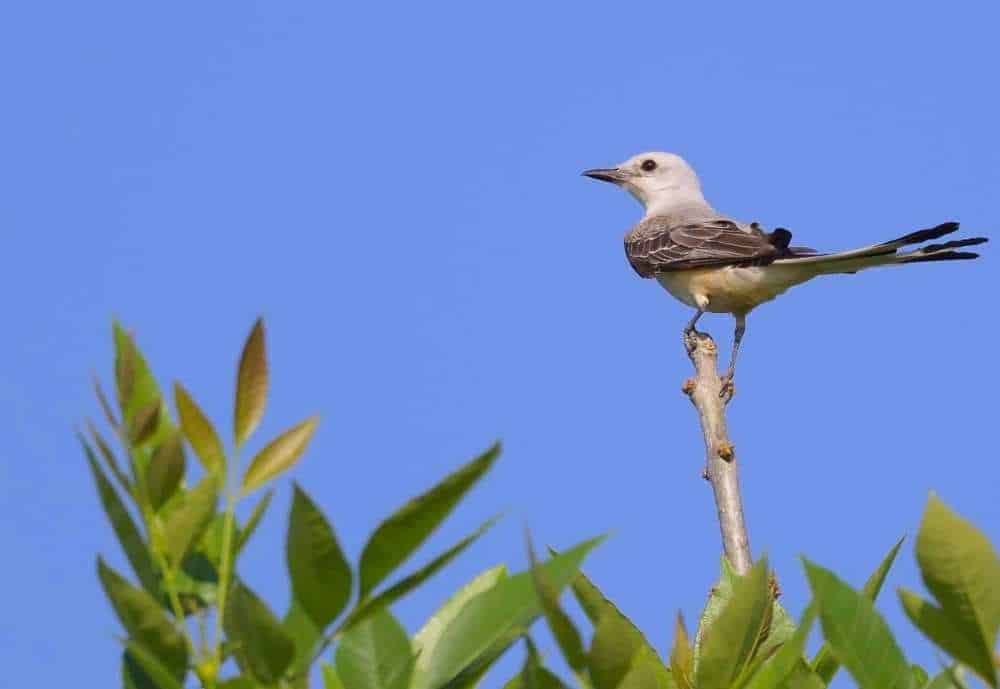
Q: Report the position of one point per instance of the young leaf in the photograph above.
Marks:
(681, 655)
(145, 621)
(251, 384)
(146, 422)
(102, 399)
(135, 382)
(962, 570)
(263, 648)
(857, 633)
(375, 654)
(412, 581)
(123, 525)
(319, 572)
(186, 524)
(425, 641)
(493, 618)
(563, 630)
(825, 663)
(199, 431)
(776, 670)
(736, 633)
(403, 532)
(109, 459)
(279, 455)
(957, 640)
(253, 520)
(165, 470)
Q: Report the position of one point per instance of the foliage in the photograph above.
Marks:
(190, 613)
(184, 551)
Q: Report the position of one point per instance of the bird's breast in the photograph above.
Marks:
(730, 289)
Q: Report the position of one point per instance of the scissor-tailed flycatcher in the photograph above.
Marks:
(716, 264)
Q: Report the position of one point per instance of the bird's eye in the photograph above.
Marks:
(648, 165)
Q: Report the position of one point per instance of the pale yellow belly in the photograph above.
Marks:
(730, 289)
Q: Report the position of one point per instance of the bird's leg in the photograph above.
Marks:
(727, 377)
(690, 330)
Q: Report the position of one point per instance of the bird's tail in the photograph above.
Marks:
(888, 253)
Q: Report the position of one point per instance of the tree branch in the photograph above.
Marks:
(706, 393)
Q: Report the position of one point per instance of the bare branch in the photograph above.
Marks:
(706, 393)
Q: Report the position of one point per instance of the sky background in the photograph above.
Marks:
(395, 187)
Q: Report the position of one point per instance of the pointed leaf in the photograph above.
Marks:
(962, 570)
(279, 455)
(857, 633)
(956, 639)
(263, 649)
(825, 663)
(151, 670)
(717, 600)
(563, 630)
(403, 532)
(491, 617)
(251, 384)
(647, 672)
(146, 422)
(144, 620)
(533, 675)
(135, 382)
(199, 431)
(735, 634)
(305, 634)
(186, 524)
(412, 581)
(681, 655)
(612, 649)
(109, 458)
(425, 641)
(124, 527)
(776, 670)
(803, 677)
(320, 575)
(375, 654)
(102, 399)
(253, 520)
(165, 470)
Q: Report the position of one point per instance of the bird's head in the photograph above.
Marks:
(660, 181)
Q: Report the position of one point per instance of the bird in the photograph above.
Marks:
(716, 264)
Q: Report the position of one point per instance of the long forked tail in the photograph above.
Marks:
(888, 253)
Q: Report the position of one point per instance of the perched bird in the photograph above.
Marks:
(717, 264)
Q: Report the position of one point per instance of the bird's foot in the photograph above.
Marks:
(691, 337)
(727, 388)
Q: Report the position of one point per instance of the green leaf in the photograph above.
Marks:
(681, 655)
(412, 581)
(110, 460)
(102, 399)
(803, 677)
(720, 594)
(403, 532)
(733, 636)
(331, 680)
(320, 575)
(238, 683)
(563, 630)
(857, 633)
(136, 386)
(253, 520)
(199, 431)
(425, 641)
(375, 654)
(279, 455)
(956, 640)
(647, 672)
(251, 384)
(946, 679)
(920, 676)
(146, 422)
(263, 648)
(152, 670)
(612, 649)
(166, 470)
(825, 663)
(962, 570)
(144, 620)
(187, 523)
(776, 670)
(123, 525)
(489, 619)
(304, 633)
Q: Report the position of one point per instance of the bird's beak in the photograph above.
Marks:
(607, 174)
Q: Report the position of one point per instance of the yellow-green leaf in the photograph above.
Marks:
(251, 384)
(681, 655)
(199, 431)
(186, 523)
(279, 455)
(165, 471)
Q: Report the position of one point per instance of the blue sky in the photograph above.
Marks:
(395, 187)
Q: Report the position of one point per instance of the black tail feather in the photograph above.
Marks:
(926, 235)
(946, 256)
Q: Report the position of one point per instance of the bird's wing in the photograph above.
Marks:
(658, 245)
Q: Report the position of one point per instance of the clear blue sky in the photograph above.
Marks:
(395, 187)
